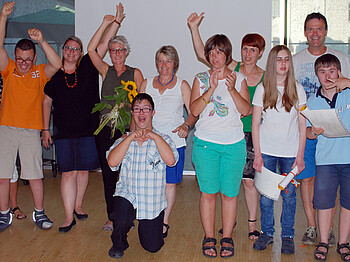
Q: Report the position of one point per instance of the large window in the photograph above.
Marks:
(288, 22)
(55, 19)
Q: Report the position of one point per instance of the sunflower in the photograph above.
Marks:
(118, 116)
(131, 87)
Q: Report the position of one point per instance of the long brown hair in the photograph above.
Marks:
(290, 95)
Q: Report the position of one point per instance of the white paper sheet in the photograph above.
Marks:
(328, 119)
(267, 182)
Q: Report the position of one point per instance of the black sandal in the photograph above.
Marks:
(20, 214)
(165, 234)
(204, 248)
(319, 252)
(254, 233)
(345, 254)
(227, 240)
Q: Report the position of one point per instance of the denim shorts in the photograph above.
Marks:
(328, 179)
(76, 154)
(174, 174)
(219, 168)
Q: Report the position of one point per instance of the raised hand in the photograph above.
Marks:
(231, 81)
(119, 16)
(194, 20)
(108, 19)
(213, 80)
(36, 35)
(141, 135)
(339, 83)
(7, 8)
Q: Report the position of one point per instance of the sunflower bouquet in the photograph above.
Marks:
(118, 115)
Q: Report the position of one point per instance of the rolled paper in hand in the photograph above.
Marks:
(284, 183)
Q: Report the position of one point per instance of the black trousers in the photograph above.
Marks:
(103, 143)
(150, 231)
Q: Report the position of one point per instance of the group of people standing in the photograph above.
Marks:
(245, 118)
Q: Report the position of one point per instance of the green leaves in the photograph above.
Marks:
(118, 115)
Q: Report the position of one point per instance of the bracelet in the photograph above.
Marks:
(117, 22)
(205, 101)
(41, 42)
(45, 130)
(188, 126)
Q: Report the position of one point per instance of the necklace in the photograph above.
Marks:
(166, 83)
(75, 79)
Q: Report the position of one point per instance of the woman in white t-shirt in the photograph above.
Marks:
(279, 134)
(219, 97)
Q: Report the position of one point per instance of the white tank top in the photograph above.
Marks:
(169, 109)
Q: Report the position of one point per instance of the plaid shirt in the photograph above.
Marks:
(142, 177)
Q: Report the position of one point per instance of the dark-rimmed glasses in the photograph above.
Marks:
(138, 110)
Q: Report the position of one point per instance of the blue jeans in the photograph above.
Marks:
(289, 199)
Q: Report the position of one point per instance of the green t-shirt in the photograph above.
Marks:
(247, 120)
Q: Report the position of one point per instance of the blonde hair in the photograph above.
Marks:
(290, 95)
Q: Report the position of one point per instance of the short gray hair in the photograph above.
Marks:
(121, 40)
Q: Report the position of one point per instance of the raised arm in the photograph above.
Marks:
(193, 22)
(111, 31)
(54, 61)
(46, 136)
(6, 10)
(96, 59)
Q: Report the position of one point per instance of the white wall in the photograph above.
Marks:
(149, 24)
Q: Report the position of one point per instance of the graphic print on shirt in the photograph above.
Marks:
(308, 79)
(219, 108)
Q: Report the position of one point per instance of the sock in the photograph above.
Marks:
(5, 212)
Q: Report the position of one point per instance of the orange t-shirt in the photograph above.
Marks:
(22, 97)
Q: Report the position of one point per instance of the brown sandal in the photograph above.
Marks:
(18, 213)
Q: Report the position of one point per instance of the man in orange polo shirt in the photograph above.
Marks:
(21, 117)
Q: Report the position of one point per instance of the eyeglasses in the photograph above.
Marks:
(145, 110)
(21, 60)
(74, 49)
(117, 50)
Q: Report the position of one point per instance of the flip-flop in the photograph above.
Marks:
(19, 215)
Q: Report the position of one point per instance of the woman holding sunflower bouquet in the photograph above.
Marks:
(170, 93)
(112, 76)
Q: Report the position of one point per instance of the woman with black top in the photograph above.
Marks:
(73, 92)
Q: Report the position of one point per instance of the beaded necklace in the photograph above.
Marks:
(166, 83)
(75, 79)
